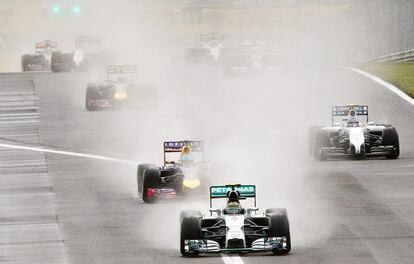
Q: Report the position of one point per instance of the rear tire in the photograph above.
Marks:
(279, 226)
(91, 94)
(151, 180)
(25, 61)
(390, 138)
(190, 230)
(57, 57)
(311, 138)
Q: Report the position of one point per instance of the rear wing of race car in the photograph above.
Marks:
(87, 43)
(212, 36)
(122, 72)
(46, 46)
(340, 114)
(176, 147)
(245, 191)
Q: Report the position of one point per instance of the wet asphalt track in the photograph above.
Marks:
(62, 209)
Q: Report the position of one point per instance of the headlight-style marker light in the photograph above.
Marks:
(191, 183)
(120, 95)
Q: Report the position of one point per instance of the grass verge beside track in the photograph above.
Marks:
(399, 74)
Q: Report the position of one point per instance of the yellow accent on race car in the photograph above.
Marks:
(191, 183)
(120, 95)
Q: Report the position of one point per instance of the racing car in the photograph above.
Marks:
(184, 172)
(87, 55)
(40, 61)
(351, 134)
(208, 50)
(234, 229)
(120, 89)
(252, 56)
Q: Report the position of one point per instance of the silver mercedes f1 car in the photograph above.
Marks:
(351, 134)
(234, 229)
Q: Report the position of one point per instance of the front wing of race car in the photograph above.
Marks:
(273, 244)
(99, 103)
(37, 67)
(374, 151)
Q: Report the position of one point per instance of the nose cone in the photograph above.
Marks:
(356, 138)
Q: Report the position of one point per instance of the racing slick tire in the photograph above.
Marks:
(188, 213)
(272, 211)
(151, 180)
(91, 94)
(311, 134)
(57, 57)
(190, 230)
(140, 175)
(390, 138)
(384, 124)
(320, 139)
(279, 226)
(25, 62)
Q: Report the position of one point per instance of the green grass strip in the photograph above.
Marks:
(399, 74)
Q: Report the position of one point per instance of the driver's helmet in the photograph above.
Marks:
(186, 156)
(352, 120)
(233, 205)
(233, 208)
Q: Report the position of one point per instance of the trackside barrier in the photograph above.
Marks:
(402, 56)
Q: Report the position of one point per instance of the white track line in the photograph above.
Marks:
(387, 85)
(19, 109)
(20, 122)
(67, 153)
(231, 259)
(227, 259)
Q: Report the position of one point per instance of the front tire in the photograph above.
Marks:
(192, 213)
(390, 138)
(190, 230)
(279, 226)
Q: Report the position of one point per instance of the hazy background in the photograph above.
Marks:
(150, 32)
(254, 127)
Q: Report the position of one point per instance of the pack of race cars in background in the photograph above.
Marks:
(236, 56)
(41, 59)
(87, 54)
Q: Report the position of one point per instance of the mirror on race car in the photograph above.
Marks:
(252, 210)
(215, 210)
